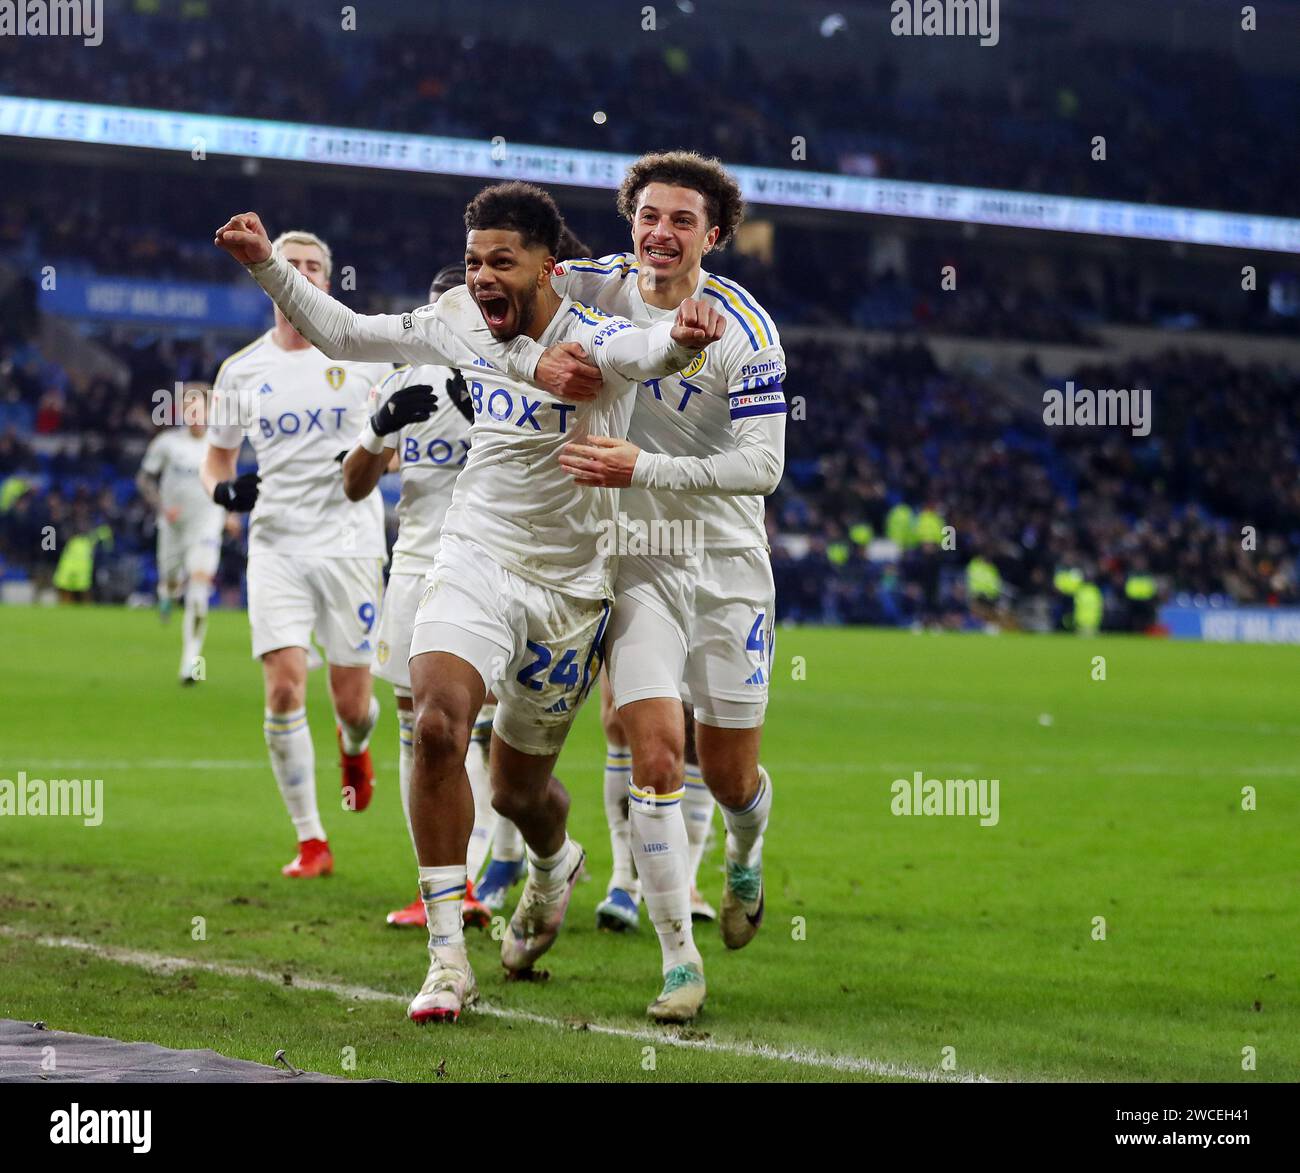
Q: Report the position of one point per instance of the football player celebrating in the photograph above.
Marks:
(521, 589)
(422, 416)
(315, 559)
(705, 446)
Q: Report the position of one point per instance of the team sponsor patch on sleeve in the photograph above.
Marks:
(607, 331)
(766, 399)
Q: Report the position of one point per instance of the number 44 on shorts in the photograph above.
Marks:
(760, 641)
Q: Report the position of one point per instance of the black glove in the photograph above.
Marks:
(459, 395)
(410, 405)
(239, 495)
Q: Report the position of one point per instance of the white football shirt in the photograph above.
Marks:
(432, 453)
(175, 456)
(299, 410)
(733, 387)
(513, 499)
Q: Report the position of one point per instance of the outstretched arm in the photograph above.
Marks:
(447, 335)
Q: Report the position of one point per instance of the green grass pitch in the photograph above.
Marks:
(888, 939)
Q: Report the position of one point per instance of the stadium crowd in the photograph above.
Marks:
(1029, 130)
(912, 494)
(884, 451)
(123, 225)
(903, 449)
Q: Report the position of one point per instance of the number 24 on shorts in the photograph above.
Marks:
(564, 674)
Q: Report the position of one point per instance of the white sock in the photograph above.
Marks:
(406, 764)
(480, 785)
(550, 871)
(618, 772)
(662, 855)
(485, 818)
(194, 626)
(356, 738)
(443, 893)
(507, 843)
(745, 827)
(697, 807)
(503, 840)
(293, 762)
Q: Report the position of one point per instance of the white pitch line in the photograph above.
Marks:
(161, 964)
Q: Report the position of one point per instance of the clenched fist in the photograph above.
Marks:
(697, 324)
(244, 238)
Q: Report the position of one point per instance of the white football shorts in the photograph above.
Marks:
(339, 599)
(186, 548)
(537, 649)
(695, 627)
(393, 647)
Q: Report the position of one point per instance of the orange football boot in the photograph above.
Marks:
(313, 859)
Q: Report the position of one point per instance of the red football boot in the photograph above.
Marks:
(313, 859)
(358, 776)
(474, 914)
(412, 916)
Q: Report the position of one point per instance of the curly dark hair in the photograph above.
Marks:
(723, 203)
(518, 207)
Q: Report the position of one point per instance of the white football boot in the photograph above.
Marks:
(537, 920)
(682, 995)
(742, 904)
(448, 988)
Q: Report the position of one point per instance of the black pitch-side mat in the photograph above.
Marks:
(30, 1053)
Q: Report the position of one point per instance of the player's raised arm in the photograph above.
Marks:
(443, 335)
(661, 350)
(334, 329)
(420, 336)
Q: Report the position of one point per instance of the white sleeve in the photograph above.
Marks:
(228, 413)
(155, 458)
(756, 402)
(635, 353)
(753, 468)
(431, 334)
